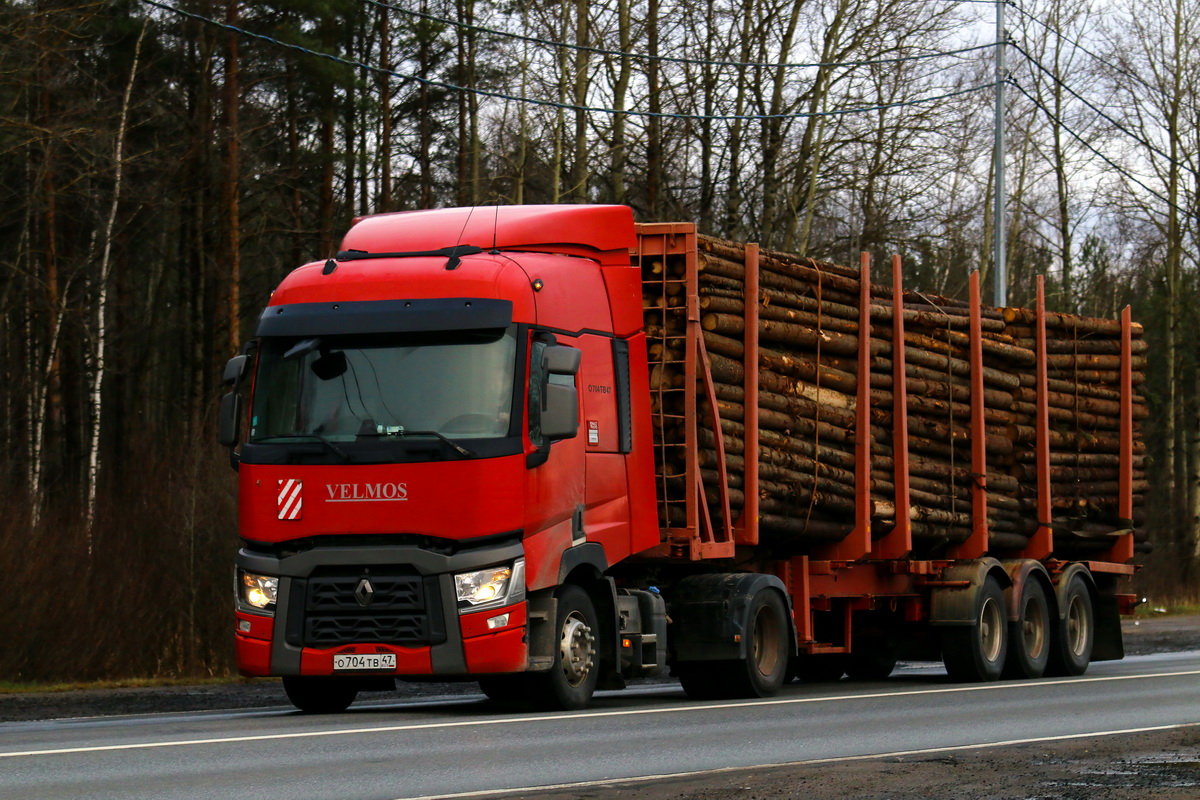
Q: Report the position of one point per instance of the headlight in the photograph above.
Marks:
(494, 586)
(257, 592)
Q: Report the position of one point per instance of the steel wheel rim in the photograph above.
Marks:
(991, 634)
(1078, 632)
(1033, 627)
(576, 649)
(766, 647)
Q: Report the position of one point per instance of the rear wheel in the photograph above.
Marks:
(976, 652)
(761, 672)
(1074, 631)
(571, 682)
(319, 694)
(1029, 635)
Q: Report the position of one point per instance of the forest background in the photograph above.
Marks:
(163, 163)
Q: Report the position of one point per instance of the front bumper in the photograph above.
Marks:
(415, 614)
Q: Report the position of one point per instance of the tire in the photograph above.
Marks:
(977, 652)
(570, 683)
(1074, 631)
(319, 694)
(506, 689)
(761, 672)
(1029, 636)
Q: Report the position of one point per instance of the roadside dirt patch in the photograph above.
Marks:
(1163, 765)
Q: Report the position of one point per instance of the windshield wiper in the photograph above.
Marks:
(404, 432)
(316, 437)
(454, 254)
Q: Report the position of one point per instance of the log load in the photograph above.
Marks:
(808, 320)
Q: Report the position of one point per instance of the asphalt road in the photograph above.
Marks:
(441, 747)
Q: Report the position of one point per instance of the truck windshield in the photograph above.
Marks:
(352, 388)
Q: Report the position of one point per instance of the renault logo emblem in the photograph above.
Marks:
(364, 592)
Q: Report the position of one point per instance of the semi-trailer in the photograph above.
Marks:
(551, 450)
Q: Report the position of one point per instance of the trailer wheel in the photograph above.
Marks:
(319, 694)
(760, 673)
(976, 652)
(1029, 635)
(1075, 631)
(571, 682)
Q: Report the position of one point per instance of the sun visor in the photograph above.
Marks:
(385, 316)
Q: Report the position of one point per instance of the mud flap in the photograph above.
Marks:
(709, 615)
(1109, 644)
(955, 605)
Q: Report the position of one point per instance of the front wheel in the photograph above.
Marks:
(319, 694)
(976, 652)
(571, 682)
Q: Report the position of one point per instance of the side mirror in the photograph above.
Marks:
(235, 370)
(560, 418)
(558, 359)
(229, 419)
(560, 412)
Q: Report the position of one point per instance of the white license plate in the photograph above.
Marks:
(347, 662)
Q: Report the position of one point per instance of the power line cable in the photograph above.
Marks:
(555, 104)
(676, 59)
(1080, 47)
(1058, 81)
(1089, 146)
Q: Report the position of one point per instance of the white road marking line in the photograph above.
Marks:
(808, 763)
(632, 712)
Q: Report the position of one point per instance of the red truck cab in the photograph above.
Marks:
(439, 437)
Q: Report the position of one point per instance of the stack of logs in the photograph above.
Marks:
(808, 353)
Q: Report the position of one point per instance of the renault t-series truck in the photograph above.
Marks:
(549, 450)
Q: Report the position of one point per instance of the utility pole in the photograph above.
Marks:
(998, 227)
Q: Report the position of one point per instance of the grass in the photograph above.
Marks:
(9, 687)
(1154, 609)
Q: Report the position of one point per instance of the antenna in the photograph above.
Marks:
(454, 261)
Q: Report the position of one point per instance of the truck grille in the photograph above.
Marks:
(400, 608)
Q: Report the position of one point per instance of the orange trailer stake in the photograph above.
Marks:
(1122, 549)
(747, 524)
(898, 542)
(1041, 544)
(978, 544)
(858, 542)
